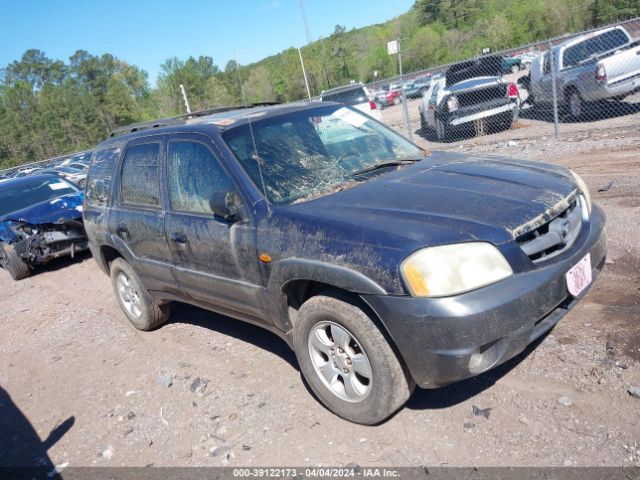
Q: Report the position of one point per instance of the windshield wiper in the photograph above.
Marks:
(380, 165)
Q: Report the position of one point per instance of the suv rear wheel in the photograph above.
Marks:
(134, 299)
(347, 362)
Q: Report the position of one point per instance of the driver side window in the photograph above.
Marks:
(194, 175)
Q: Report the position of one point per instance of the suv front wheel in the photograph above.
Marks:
(347, 361)
(134, 299)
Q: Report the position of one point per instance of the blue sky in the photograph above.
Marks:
(146, 33)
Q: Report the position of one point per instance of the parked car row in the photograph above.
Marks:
(72, 168)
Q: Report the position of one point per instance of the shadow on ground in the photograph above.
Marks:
(592, 112)
(420, 400)
(60, 263)
(246, 332)
(22, 453)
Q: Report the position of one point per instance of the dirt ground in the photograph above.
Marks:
(208, 390)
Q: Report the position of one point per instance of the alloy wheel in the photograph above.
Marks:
(340, 361)
(129, 295)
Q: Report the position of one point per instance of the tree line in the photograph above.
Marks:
(49, 107)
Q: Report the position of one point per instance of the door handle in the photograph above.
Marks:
(178, 237)
(122, 231)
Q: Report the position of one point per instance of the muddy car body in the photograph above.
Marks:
(40, 220)
(381, 267)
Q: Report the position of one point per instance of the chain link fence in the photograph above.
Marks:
(589, 79)
(71, 165)
(580, 78)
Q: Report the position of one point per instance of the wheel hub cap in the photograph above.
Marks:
(129, 296)
(340, 361)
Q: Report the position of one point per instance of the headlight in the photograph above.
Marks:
(452, 269)
(583, 187)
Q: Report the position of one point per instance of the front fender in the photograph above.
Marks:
(6, 234)
(344, 278)
(292, 269)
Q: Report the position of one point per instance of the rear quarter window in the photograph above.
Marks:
(100, 176)
(139, 179)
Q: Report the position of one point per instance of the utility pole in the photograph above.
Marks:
(304, 72)
(184, 98)
(393, 47)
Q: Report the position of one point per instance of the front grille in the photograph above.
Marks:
(555, 236)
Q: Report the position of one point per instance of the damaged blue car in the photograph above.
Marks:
(40, 219)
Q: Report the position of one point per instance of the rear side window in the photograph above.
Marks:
(194, 175)
(139, 179)
(594, 46)
(351, 96)
(100, 177)
(613, 39)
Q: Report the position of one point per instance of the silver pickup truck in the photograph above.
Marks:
(601, 65)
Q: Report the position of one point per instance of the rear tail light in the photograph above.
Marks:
(452, 103)
(372, 104)
(601, 73)
(512, 90)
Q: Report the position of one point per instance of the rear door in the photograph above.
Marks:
(136, 221)
(215, 259)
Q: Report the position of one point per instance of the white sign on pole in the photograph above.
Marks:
(392, 47)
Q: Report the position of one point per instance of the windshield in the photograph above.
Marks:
(313, 152)
(24, 194)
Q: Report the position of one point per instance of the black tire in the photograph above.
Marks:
(389, 387)
(13, 263)
(442, 133)
(575, 104)
(151, 315)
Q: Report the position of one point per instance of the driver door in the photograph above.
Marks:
(215, 258)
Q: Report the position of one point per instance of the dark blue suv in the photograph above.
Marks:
(381, 266)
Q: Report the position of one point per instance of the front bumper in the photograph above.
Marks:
(43, 247)
(443, 340)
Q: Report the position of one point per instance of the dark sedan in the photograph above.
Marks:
(40, 219)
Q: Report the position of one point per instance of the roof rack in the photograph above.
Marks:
(163, 122)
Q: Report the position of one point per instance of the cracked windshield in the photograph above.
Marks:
(303, 155)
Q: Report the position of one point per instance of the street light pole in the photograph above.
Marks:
(304, 72)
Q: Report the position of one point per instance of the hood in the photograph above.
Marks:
(448, 198)
(66, 207)
(490, 66)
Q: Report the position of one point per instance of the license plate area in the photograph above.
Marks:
(579, 276)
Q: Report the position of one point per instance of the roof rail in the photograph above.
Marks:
(179, 119)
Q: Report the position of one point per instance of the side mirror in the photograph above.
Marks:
(225, 205)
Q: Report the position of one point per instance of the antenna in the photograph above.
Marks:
(255, 151)
(304, 20)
